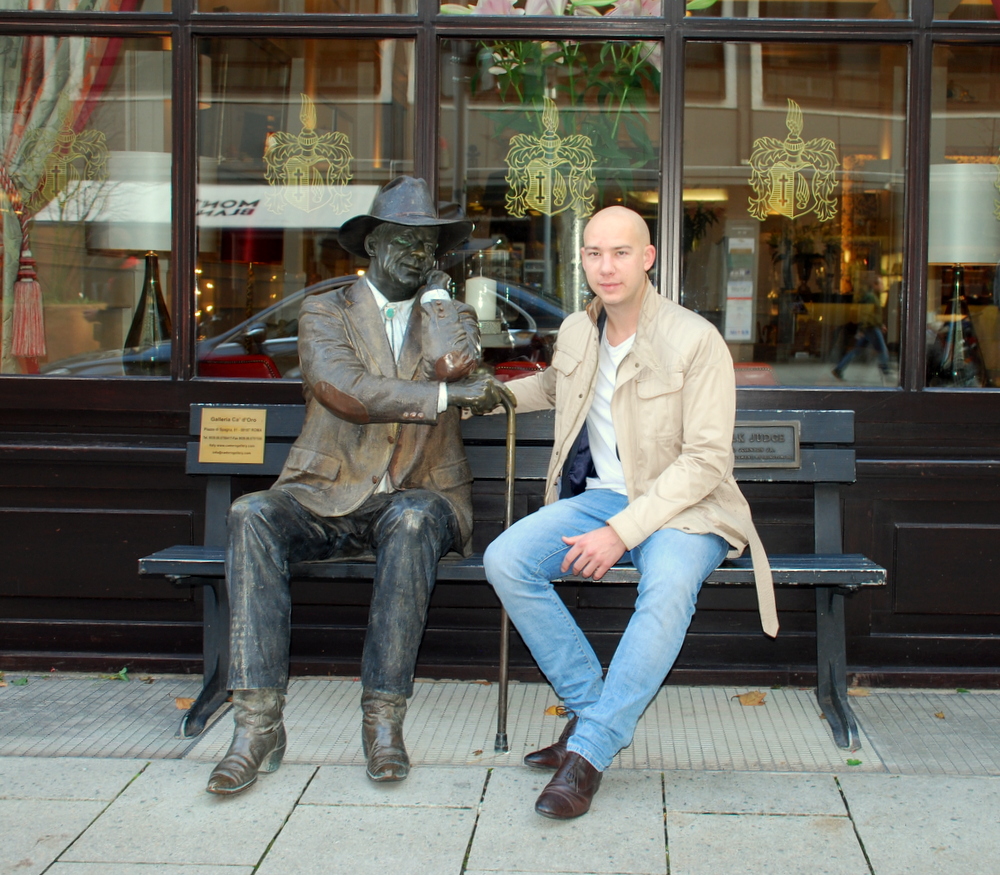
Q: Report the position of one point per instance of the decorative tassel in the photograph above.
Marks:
(28, 340)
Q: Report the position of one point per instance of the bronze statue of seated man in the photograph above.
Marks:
(379, 467)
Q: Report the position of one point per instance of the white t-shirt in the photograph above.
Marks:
(600, 428)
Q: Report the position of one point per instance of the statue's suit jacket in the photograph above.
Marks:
(367, 416)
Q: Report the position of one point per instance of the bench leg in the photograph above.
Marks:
(215, 649)
(501, 745)
(831, 668)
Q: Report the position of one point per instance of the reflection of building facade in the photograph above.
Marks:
(782, 169)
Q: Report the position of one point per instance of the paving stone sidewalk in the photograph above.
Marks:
(929, 802)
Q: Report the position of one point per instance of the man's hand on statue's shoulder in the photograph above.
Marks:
(593, 553)
(479, 393)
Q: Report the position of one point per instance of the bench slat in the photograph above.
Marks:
(819, 464)
(846, 570)
(816, 426)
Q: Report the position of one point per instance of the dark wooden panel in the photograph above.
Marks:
(86, 552)
(947, 569)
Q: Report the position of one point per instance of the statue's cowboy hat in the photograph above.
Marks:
(404, 201)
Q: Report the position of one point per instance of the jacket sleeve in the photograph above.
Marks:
(338, 371)
(708, 411)
(449, 340)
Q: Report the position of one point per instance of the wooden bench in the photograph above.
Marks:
(824, 459)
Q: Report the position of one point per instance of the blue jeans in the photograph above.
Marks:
(521, 564)
(871, 336)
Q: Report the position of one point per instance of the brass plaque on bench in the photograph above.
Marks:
(232, 434)
(766, 444)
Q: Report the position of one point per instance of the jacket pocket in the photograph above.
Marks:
(451, 475)
(654, 385)
(310, 466)
(659, 405)
(564, 362)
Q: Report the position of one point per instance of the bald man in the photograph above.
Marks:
(641, 469)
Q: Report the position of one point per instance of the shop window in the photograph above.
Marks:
(88, 5)
(294, 138)
(792, 239)
(967, 10)
(535, 137)
(85, 195)
(576, 8)
(325, 7)
(963, 285)
(828, 9)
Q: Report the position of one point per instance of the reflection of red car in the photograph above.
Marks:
(246, 367)
(507, 371)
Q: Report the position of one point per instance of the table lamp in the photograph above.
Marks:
(963, 230)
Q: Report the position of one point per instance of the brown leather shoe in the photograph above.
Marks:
(551, 757)
(382, 735)
(571, 790)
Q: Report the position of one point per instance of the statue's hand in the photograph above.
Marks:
(437, 279)
(480, 393)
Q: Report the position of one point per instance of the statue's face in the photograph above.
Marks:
(402, 257)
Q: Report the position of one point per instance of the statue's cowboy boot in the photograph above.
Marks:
(382, 735)
(551, 757)
(258, 741)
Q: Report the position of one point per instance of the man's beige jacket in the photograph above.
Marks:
(673, 409)
(366, 416)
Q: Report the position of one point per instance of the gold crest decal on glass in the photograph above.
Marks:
(794, 177)
(550, 174)
(309, 170)
(69, 159)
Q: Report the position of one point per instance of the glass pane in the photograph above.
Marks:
(87, 5)
(967, 10)
(794, 160)
(89, 169)
(326, 7)
(535, 137)
(963, 285)
(835, 9)
(294, 138)
(578, 8)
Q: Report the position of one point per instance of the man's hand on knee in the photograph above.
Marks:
(592, 554)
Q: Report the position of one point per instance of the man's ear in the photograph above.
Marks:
(649, 257)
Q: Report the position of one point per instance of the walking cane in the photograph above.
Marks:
(501, 745)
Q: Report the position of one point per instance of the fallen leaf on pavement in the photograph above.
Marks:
(854, 762)
(859, 692)
(939, 715)
(477, 753)
(23, 682)
(555, 711)
(183, 704)
(754, 697)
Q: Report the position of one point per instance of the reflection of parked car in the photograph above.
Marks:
(271, 333)
(266, 344)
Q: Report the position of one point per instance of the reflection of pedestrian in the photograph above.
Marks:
(869, 333)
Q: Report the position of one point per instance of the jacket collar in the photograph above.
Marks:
(362, 311)
(643, 348)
